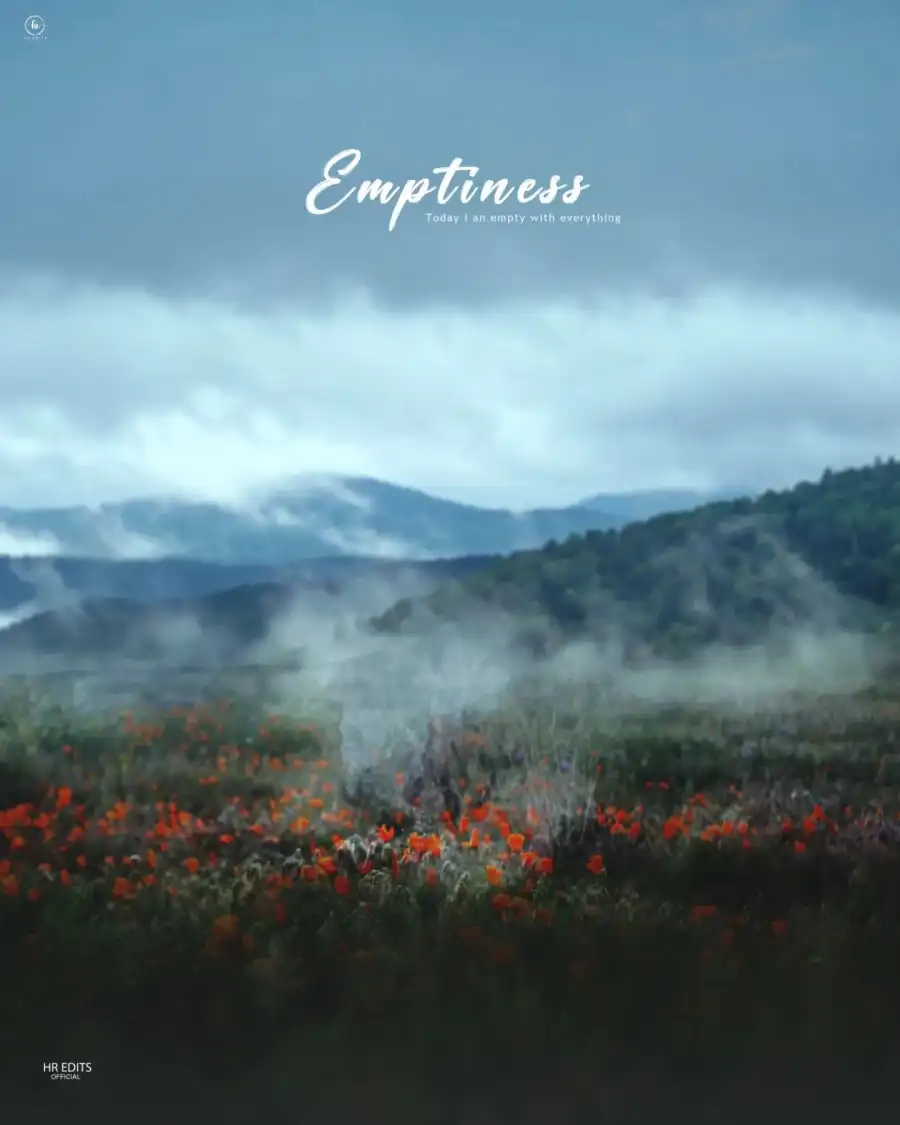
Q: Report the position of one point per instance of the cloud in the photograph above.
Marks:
(122, 543)
(539, 400)
(24, 544)
(767, 157)
(362, 541)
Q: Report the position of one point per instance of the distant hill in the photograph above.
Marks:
(824, 553)
(29, 585)
(216, 626)
(67, 609)
(630, 507)
(309, 518)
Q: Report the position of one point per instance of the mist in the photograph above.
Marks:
(320, 650)
(386, 686)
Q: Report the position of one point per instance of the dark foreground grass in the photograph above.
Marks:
(675, 914)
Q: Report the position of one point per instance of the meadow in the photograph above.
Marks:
(521, 912)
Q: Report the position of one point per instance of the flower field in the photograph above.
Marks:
(714, 892)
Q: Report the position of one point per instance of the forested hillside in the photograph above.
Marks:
(824, 553)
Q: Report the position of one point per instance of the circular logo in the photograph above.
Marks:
(34, 26)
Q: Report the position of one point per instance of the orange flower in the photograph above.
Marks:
(515, 841)
(494, 875)
(545, 865)
(417, 843)
(192, 864)
(121, 888)
(595, 864)
(385, 834)
(225, 927)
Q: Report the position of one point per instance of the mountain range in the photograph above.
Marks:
(312, 518)
(234, 574)
(822, 555)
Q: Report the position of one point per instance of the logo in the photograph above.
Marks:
(67, 1070)
(35, 27)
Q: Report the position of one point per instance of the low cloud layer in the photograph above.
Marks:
(22, 543)
(539, 401)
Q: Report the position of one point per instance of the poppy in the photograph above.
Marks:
(121, 888)
(225, 927)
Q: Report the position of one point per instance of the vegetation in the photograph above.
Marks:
(576, 896)
(826, 553)
(538, 899)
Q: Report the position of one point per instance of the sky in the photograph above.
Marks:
(175, 320)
